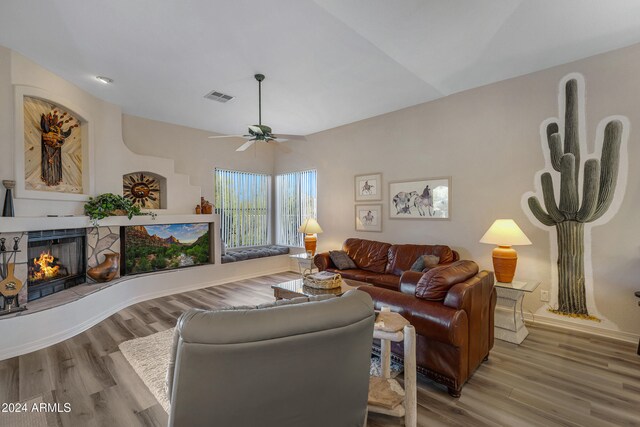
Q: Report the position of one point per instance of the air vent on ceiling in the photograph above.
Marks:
(217, 96)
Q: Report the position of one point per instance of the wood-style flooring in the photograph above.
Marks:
(553, 378)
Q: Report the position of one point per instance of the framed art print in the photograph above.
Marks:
(427, 198)
(368, 187)
(368, 217)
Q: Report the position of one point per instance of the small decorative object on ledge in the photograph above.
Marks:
(8, 198)
(323, 280)
(106, 271)
(205, 206)
(198, 210)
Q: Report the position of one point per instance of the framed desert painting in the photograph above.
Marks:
(368, 187)
(368, 217)
(427, 198)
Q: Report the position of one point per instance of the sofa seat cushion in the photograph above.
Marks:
(435, 283)
(389, 281)
(354, 274)
(402, 257)
(368, 254)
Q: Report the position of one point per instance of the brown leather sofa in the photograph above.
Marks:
(380, 263)
(454, 333)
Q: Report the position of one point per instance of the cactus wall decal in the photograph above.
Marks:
(578, 203)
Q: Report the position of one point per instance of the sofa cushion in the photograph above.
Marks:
(354, 274)
(401, 257)
(367, 254)
(425, 262)
(389, 281)
(341, 260)
(435, 283)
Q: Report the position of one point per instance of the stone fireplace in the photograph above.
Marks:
(56, 260)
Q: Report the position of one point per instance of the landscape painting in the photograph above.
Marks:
(163, 247)
(420, 199)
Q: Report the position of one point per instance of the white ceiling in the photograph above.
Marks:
(327, 62)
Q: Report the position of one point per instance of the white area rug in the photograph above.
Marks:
(149, 357)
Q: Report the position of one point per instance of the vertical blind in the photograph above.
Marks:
(296, 200)
(242, 200)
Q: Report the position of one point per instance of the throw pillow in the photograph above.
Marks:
(341, 260)
(430, 261)
(435, 283)
(425, 262)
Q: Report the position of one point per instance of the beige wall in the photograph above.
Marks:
(488, 141)
(193, 152)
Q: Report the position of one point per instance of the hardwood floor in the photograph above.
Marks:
(553, 378)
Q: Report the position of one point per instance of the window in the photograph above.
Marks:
(242, 201)
(296, 200)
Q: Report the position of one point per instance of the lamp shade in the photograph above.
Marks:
(310, 226)
(505, 232)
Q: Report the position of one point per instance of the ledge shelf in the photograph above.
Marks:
(22, 224)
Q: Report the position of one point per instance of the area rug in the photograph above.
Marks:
(149, 357)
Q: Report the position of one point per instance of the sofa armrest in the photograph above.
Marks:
(432, 320)
(459, 296)
(323, 261)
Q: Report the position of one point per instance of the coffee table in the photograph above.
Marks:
(296, 288)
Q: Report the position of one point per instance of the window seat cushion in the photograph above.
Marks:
(241, 254)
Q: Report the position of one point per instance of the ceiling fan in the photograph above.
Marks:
(261, 132)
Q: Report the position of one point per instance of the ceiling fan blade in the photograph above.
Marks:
(282, 147)
(255, 129)
(246, 145)
(284, 137)
(225, 136)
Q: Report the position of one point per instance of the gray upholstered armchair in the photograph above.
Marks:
(283, 364)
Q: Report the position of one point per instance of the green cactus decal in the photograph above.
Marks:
(569, 216)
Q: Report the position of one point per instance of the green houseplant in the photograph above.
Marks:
(109, 204)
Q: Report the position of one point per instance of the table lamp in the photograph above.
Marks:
(310, 227)
(505, 233)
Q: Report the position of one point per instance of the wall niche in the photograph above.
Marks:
(145, 189)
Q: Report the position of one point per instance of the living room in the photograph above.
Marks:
(488, 111)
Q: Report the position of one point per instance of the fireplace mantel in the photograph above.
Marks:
(20, 224)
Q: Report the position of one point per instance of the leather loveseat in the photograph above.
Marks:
(453, 319)
(380, 263)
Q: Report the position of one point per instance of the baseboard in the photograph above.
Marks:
(587, 329)
(27, 346)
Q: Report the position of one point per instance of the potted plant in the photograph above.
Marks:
(109, 204)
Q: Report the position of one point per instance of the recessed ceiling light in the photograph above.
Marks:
(105, 80)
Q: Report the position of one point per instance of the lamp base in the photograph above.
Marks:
(505, 259)
(310, 242)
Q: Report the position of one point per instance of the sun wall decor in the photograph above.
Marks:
(143, 189)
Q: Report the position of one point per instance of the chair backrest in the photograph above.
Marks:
(301, 364)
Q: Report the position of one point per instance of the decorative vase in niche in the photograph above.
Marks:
(106, 271)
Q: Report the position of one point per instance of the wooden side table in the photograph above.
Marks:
(386, 395)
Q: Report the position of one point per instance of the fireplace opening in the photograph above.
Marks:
(56, 261)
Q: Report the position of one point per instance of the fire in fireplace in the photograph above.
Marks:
(57, 261)
(46, 267)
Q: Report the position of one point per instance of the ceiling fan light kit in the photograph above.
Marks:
(259, 132)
